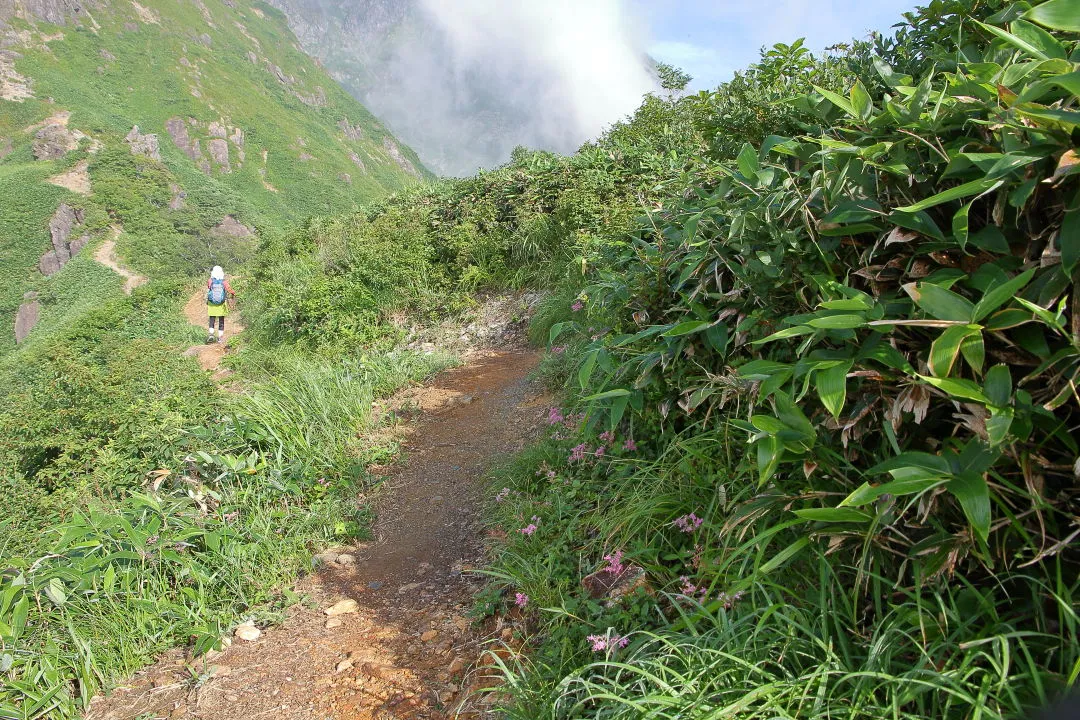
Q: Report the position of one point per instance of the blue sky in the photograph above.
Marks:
(711, 40)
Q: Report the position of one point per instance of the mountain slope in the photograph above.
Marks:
(185, 125)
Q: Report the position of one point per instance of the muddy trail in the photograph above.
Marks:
(210, 355)
(387, 633)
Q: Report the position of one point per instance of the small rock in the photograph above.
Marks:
(346, 560)
(429, 636)
(217, 671)
(343, 607)
(457, 665)
(343, 666)
(334, 622)
(248, 632)
(374, 585)
(506, 634)
(408, 588)
(231, 697)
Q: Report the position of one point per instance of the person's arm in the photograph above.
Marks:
(228, 289)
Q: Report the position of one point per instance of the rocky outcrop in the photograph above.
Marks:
(352, 132)
(232, 228)
(54, 141)
(219, 151)
(396, 155)
(178, 198)
(359, 163)
(57, 12)
(64, 223)
(178, 131)
(217, 130)
(143, 144)
(27, 317)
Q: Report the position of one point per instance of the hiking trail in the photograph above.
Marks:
(106, 255)
(210, 355)
(405, 647)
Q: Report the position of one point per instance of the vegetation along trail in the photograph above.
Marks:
(387, 632)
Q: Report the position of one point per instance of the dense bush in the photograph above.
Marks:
(823, 399)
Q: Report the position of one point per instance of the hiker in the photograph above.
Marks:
(217, 294)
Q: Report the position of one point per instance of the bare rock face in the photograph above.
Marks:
(237, 137)
(351, 132)
(178, 198)
(27, 317)
(54, 141)
(216, 129)
(179, 133)
(61, 227)
(359, 163)
(219, 151)
(143, 144)
(231, 227)
(396, 156)
(57, 12)
(314, 99)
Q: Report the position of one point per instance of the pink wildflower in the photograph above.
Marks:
(600, 451)
(629, 445)
(555, 416)
(502, 495)
(608, 437)
(614, 563)
(577, 306)
(528, 529)
(688, 523)
(521, 600)
(578, 453)
(600, 643)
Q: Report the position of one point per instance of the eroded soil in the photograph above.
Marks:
(409, 649)
(210, 355)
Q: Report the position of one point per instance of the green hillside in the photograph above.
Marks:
(246, 125)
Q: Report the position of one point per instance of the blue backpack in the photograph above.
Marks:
(216, 294)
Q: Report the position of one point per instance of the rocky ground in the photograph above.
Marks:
(386, 631)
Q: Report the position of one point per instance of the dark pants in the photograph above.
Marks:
(221, 322)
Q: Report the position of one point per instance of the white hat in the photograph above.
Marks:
(217, 273)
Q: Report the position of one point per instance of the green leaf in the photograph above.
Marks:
(748, 162)
(974, 351)
(974, 496)
(769, 453)
(957, 388)
(997, 296)
(1057, 14)
(687, 328)
(1023, 40)
(940, 303)
(837, 322)
(717, 337)
(998, 386)
(860, 101)
(785, 334)
(998, 425)
(54, 590)
(831, 385)
(946, 348)
(587, 367)
(839, 101)
(960, 225)
(975, 187)
(920, 222)
(785, 555)
(607, 394)
(831, 515)
(867, 493)
(1070, 242)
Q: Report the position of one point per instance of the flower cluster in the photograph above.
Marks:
(521, 599)
(578, 306)
(600, 643)
(629, 445)
(688, 523)
(578, 453)
(614, 563)
(502, 495)
(555, 416)
(531, 527)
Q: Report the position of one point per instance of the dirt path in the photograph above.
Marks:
(106, 255)
(210, 355)
(408, 650)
